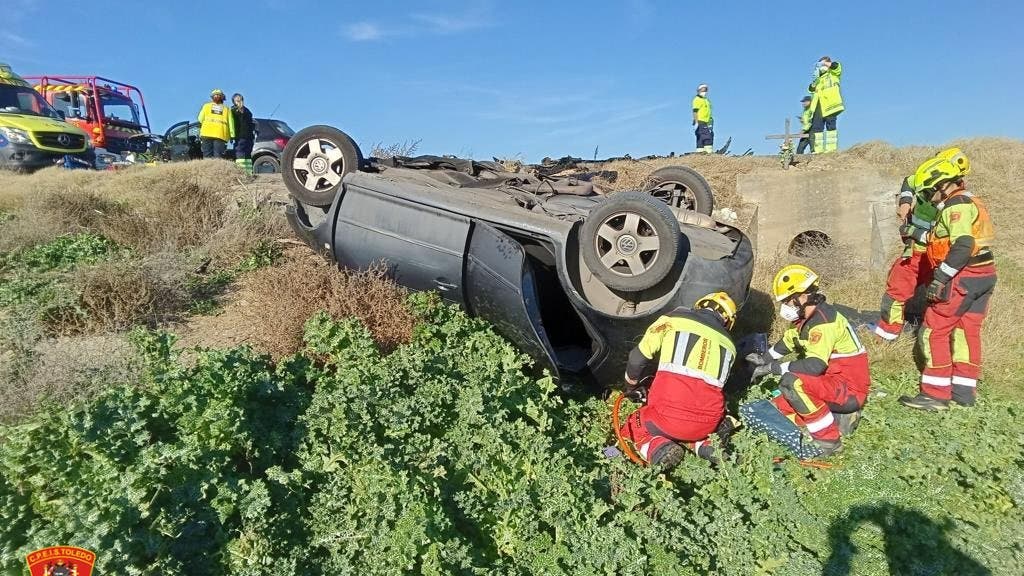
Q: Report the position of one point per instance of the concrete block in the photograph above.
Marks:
(854, 210)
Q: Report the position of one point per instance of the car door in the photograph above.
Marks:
(422, 245)
(500, 287)
(176, 141)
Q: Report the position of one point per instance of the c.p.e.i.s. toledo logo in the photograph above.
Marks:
(61, 561)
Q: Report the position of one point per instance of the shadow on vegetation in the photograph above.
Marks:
(913, 543)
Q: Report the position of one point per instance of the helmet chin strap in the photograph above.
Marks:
(813, 299)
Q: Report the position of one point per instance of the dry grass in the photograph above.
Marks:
(156, 209)
(271, 306)
(60, 371)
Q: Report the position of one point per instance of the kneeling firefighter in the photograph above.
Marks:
(825, 388)
(693, 354)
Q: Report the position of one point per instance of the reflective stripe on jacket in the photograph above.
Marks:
(216, 121)
(962, 216)
(826, 90)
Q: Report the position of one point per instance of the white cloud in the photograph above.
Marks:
(363, 32)
(423, 24)
(452, 24)
(10, 40)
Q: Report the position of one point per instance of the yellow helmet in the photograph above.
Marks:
(721, 303)
(957, 157)
(216, 91)
(793, 279)
(934, 172)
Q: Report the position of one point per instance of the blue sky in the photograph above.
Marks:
(534, 78)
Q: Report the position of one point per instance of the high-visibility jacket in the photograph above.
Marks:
(694, 355)
(805, 119)
(825, 89)
(216, 121)
(702, 106)
(962, 235)
(922, 215)
(825, 343)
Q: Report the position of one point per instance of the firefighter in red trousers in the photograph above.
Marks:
(825, 388)
(960, 250)
(693, 353)
(911, 269)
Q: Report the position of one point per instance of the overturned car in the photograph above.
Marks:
(570, 275)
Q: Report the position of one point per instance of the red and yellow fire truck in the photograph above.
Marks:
(112, 112)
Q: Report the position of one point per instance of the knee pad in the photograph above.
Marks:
(789, 386)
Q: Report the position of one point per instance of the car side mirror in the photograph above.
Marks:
(62, 115)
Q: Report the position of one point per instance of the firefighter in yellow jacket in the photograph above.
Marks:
(216, 126)
(827, 104)
(960, 249)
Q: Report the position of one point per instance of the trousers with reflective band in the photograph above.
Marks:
(694, 356)
(905, 276)
(961, 214)
(950, 336)
(812, 401)
(650, 434)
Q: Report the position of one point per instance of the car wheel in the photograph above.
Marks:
(266, 164)
(315, 161)
(682, 187)
(630, 241)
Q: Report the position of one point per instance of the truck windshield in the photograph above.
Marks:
(24, 100)
(116, 107)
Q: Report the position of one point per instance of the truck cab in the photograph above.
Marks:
(33, 134)
(112, 113)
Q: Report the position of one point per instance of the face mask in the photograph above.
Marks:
(789, 313)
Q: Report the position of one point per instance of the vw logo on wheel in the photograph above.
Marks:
(64, 140)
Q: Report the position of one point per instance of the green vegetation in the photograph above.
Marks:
(443, 457)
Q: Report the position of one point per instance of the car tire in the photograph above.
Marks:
(266, 164)
(315, 161)
(630, 241)
(682, 187)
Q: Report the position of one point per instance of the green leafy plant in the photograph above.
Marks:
(446, 457)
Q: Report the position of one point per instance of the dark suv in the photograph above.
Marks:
(181, 142)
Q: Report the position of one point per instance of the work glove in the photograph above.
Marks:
(758, 359)
(762, 370)
(938, 291)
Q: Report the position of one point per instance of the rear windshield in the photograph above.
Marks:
(282, 128)
(24, 100)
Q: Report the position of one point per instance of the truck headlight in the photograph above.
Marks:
(15, 135)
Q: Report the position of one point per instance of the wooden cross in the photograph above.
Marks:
(786, 148)
(787, 138)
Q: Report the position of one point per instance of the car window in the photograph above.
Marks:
(178, 136)
(283, 128)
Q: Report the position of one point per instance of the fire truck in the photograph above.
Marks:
(112, 113)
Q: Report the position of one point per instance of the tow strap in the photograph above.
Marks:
(622, 442)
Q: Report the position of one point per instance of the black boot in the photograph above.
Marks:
(847, 423)
(924, 402)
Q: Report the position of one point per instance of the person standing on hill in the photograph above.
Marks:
(245, 133)
(805, 126)
(826, 105)
(960, 251)
(216, 126)
(703, 120)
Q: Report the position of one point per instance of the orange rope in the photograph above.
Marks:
(623, 444)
